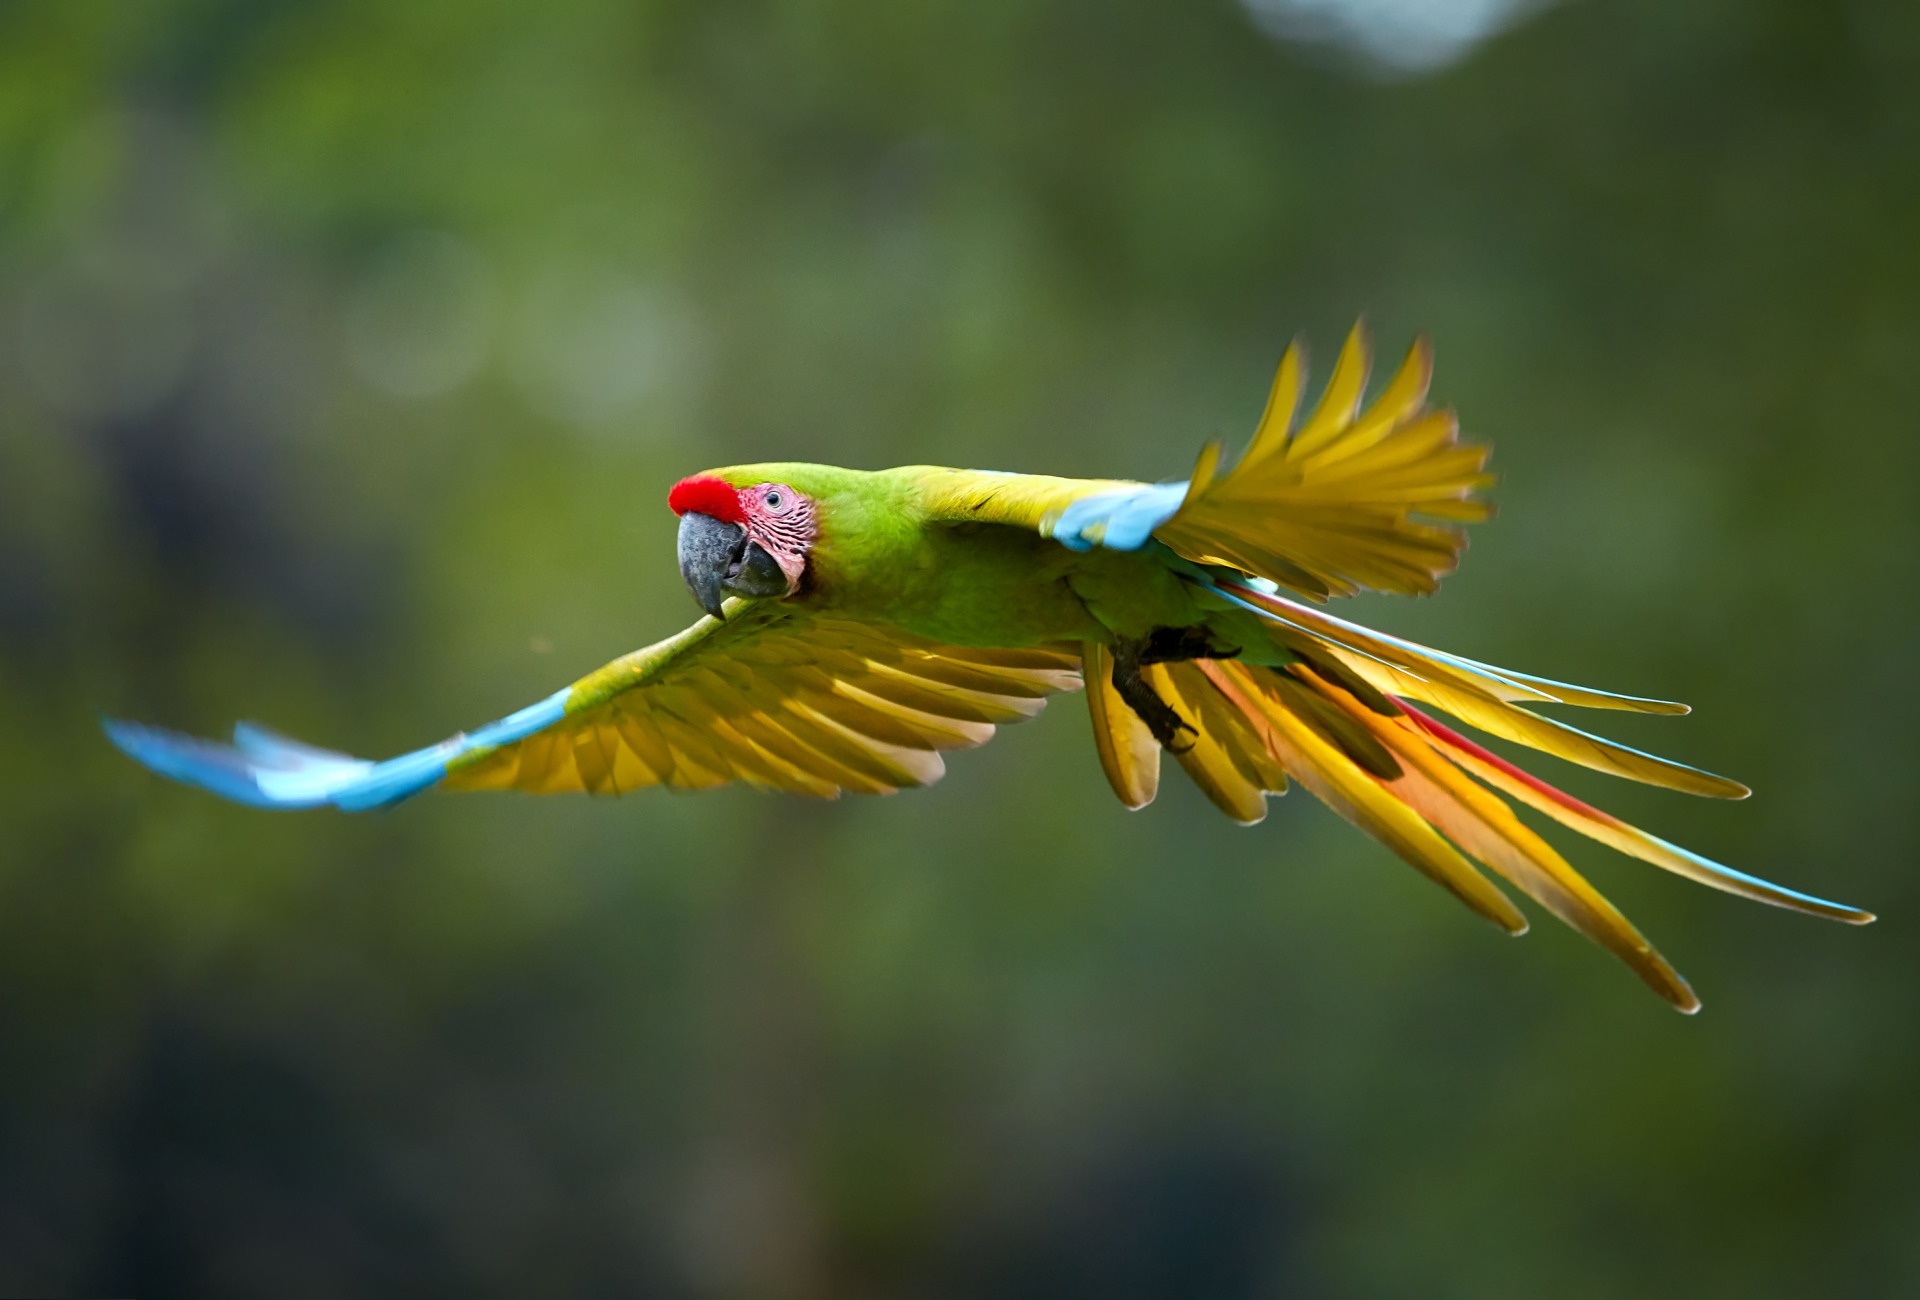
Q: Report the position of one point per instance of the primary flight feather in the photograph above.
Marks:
(860, 623)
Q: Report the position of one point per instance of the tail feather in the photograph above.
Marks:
(1616, 834)
(1357, 795)
(1484, 697)
(1487, 829)
(1524, 727)
(1344, 724)
(1585, 697)
(1336, 726)
(1414, 662)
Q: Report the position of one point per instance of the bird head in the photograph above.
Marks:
(748, 540)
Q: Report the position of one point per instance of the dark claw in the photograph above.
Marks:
(1168, 645)
(1165, 724)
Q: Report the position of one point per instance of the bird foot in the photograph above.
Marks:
(1168, 645)
(1165, 724)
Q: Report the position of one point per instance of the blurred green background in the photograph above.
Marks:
(347, 349)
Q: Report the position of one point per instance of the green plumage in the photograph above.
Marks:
(892, 550)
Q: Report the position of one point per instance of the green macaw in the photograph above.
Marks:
(861, 622)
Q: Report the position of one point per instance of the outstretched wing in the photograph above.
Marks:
(1348, 500)
(775, 696)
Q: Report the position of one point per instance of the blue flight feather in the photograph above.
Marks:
(267, 770)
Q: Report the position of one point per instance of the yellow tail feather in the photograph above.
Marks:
(1428, 794)
(1357, 795)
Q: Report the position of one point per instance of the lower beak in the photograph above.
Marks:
(709, 550)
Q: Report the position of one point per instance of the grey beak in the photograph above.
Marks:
(709, 550)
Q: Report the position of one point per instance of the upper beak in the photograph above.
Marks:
(709, 550)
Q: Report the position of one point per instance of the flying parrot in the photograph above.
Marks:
(859, 623)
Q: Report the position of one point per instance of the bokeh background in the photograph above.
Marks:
(346, 351)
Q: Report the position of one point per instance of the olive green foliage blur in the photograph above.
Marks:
(349, 349)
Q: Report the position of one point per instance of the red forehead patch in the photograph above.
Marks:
(706, 495)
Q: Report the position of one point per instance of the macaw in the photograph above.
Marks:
(859, 623)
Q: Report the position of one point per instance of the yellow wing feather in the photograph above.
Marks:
(1129, 754)
(778, 698)
(1352, 500)
(1218, 757)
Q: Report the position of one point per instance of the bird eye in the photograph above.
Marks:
(776, 500)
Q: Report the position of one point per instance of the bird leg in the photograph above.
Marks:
(1161, 720)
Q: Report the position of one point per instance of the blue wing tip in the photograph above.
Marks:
(211, 766)
(264, 769)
